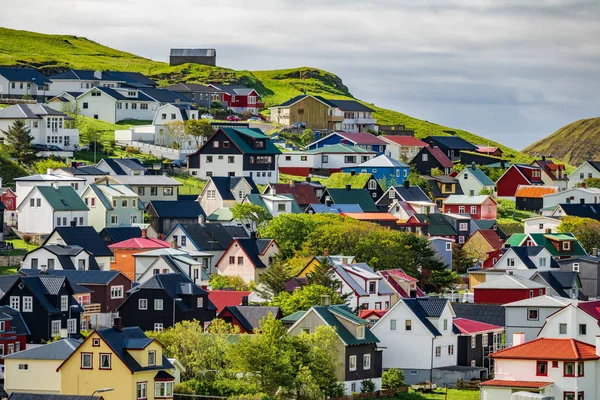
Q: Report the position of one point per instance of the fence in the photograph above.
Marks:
(158, 151)
(473, 384)
(375, 395)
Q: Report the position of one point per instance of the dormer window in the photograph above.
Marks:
(360, 332)
(151, 358)
(566, 246)
(259, 144)
(372, 287)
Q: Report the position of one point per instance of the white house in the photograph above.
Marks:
(575, 320)
(330, 158)
(403, 148)
(225, 191)
(418, 338)
(357, 116)
(25, 184)
(193, 264)
(525, 260)
(589, 169)
(46, 207)
(553, 367)
(88, 172)
(20, 82)
(529, 316)
(54, 257)
(47, 126)
(541, 224)
(473, 180)
(81, 80)
(147, 187)
(366, 289)
(273, 203)
(112, 205)
(121, 166)
(570, 196)
(248, 258)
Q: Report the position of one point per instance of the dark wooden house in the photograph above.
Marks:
(476, 341)
(164, 214)
(247, 318)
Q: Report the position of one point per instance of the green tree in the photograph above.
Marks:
(393, 378)
(442, 280)
(251, 215)
(41, 167)
(176, 131)
(304, 298)
(416, 179)
(591, 183)
(458, 167)
(19, 142)
(367, 386)
(436, 172)
(323, 275)
(228, 282)
(586, 230)
(274, 279)
(307, 137)
(199, 129)
(461, 261)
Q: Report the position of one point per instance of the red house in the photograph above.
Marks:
(13, 331)
(9, 199)
(247, 318)
(518, 174)
(225, 298)
(492, 258)
(478, 207)
(239, 99)
(506, 289)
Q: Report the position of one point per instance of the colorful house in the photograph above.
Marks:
(450, 145)
(506, 289)
(362, 197)
(531, 197)
(364, 141)
(13, 331)
(478, 207)
(476, 341)
(473, 180)
(247, 318)
(431, 157)
(553, 174)
(516, 175)
(482, 243)
(248, 258)
(360, 180)
(123, 259)
(560, 245)
(383, 167)
(403, 148)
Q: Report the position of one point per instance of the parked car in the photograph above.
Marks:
(206, 116)
(179, 164)
(233, 118)
(52, 147)
(254, 119)
(299, 125)
(39, 147)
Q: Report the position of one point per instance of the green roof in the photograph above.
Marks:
(257, 201)
(337, 148)
(437, 225)
(236, 137)
(220, 214)
(481, 176)
(63, 198)
(293, 318)
(516, 239)
(544, 239)
(330, 315)
(295, 206)
(339, 180)
(362, 197)
(559, 236)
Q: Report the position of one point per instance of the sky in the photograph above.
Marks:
(513, 71)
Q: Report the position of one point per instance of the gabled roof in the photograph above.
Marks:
(526, 253)
(549, 349)
(581, 210)
(493, 314)
(319, 208)
(50, 178)
(535, 191)
(507, 282)
(338, 148)
(122, 233)
(24, 75)
(361, 138)
(437, 224)
(59, 350)
(594, 164)
(239, 136)
(467, 200)
(140, 243)
(174, 285)
(409, 141)
(17, 323)
(542, 301)
(303, 193)
(250, 316)
(43, 286)
(29, 111)
(339, 180)
(365, 314)
(79, 277)
(254, 248)
(516, 384)
(439, 156)
(224, 298)
(296, 99)
(84, 170)
(478, 174)
(144, 180)
(62, 198)
(362, 197)
(469, 327)
(350, 105)
(371, 216)
(164, 96)
(426, 307)
(225, 184)
(451, 142)
(330, 315)
(560, 281)
(84, 236)
(116, 165)
(207, 237)
(382, 161)
(591, 307)
(487, 149)
(177, 208)
(190, 87)
(491, 237)
(411, 193)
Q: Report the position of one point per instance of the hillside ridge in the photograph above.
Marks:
(56, 53)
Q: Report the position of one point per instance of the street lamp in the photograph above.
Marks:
(175, 302)
(101, 391)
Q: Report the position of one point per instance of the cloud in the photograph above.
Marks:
(510, 70)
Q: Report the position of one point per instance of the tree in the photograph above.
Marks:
(251, 215)
(461, 261)
(176, 131)
(442, 279)
(415, 178)
(41, 167)
(227, 282)
(274, 279)
(586, 230)
(393, 378)
(304, 298)
(591, 183)
(307, 137)
(199, 129)
(19, 142)
(436, 172)
(323, 275)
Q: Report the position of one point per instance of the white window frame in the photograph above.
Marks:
(116, 292)
(199, 302)
(366, 361)
(158, 304)
(158, 327)
(141, 390)
(163, 389)
(473, 341)
(15, 302)
(103, 355)
(575, 267)
(72, 325)
(393, 324)
(53, 327)
(27, 303)
(360, 332)
(64, 303)
(352, 363)
(142, 304)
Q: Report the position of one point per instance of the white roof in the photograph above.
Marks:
(168, 251)
(510, 282)
(457, 216)
(543, 301)
(463, 199)
(159, 180)
(361, 271)
(271, 197)
(585, 190)
(382, 161)
(49, 178)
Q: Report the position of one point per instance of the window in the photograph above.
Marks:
(123, 203)
(554, 364)
(580, 369)
(473, 210)
(463, 226)
(11, 348)
(448, 246)
(93, 202)
(85, 106)
(240, 260)
(569, 369)
(542, 368)
(141, 190)
(55, 328)
(163, 389)
(360, 332)
(438, 351)
(231, 260)
(72, 325)
(533, 314)
(15, 302)
(350, 159)
(451, 350)
(23, 367)
(372, 287)
(461, 240)
(114, 219)
(230, 159)
(445, 324)
(325, 159)
(562, 329)
(530, 294)
(582, 329)
(96, 342)
(216, 144)
(392, 324)
(425, 157)
(200, 302)
(367, 361)
(168, 191)
(566, 245)
(31, 202)
(352, 363)
(64, 303)
(575, 267)
(151, 358)
(473, 341)
(104, 361)
(86, 361)
(153, 191)
(141, 391)
(158, 327)
(143, 304)
(568, 395)
(211, 194)
(143, 106)
(408, 325)
(281, 207)
(510, 262)
(116, 292)
(225, 144)
(158, 304)
(542, 262)
(184, 240)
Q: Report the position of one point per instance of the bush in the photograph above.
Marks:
(131, 150)
(367, 386)
(393, 378)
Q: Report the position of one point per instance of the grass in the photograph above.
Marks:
(190, 185)
(11, 270)
(20, 244)
(440, 394)
(55, 52)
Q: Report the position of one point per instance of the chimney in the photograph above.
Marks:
(595, 252)
(54, 185)
(348, 187)
(173, 244)
(473, 165)
(273, 191)
(201, 219)
(49, 171)
(406, 184)
(244, 300)
(98, 74)
(325, 300)
(598, 345)
(509, 272)
(117, 323)
(308, 179)
(352, 172)
(73, 164)
(326, 253)
(543, 158)
(519, 338)
(144, 233)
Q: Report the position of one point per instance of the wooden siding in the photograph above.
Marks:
(311, 111)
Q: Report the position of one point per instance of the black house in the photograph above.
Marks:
(429, 158)
(406, 192)
(46, 303)
(450, 145)
(588, 269)
(476, 341)
(166, 299)
(120, 234)
(164, 215)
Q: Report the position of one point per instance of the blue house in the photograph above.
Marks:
(382, 167)
(363, 140)
(443, 249)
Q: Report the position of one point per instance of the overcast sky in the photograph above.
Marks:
(511, 70)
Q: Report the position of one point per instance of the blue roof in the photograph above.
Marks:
(253, 249)
(427, 307)
(165, 96)
(411, 193)
(24, 75)
(88, 277)
(118, 96)
(225, 184)
(84, 236)
(450, 142)
(177, 209)
(175, 285)
(134, 79)
(122, 233)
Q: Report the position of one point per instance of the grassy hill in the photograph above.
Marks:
(573, 143)
(56, 53)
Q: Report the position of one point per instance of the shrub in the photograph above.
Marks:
(27, 238)
(131, 150)
(393, 378)
(367, 386)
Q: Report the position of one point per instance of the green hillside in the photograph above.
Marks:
(56, 53)
(573, 143)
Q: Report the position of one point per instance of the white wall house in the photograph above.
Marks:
(81, 81)
(193, 264)
(47, 126)
(20, 82)
(112, 205)
(147, 187)
(571, 196)
(46, 207)
(525, 260)
(248, 258)
(572, 322)
(541, 224)
(59, 257)
(473, 180)
(26, 184)
(224, 192)
(589, 169)
(417, 337)
(366, 289)
(331, 157)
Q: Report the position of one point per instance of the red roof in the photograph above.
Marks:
(401, 274)
(140, 243)
(592, 308)
(442, 158)
(535, 191)
(469, 327)
(516, 384)
(405, 140)
(487, 149)
(550, 349)
(302, 192)
(362, 138)
(225, 298)
(370, 216)
(364, 314)
(492, 237)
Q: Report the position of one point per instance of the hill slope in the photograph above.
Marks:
(573, 143)
(56, 53)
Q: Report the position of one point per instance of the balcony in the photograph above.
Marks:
(361, 121)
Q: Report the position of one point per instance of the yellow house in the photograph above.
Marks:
(35, 370)
(123, 359)
(315, 261)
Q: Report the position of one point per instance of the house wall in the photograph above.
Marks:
(517, 321)
(102, 293)
(582, 172)
(123, 261)
(529, 204)
(573, 317)
(40, 377)
(309, 110)
(63, 85)
(43, 255)
(246, 271)
(507, 185)
(103, 106)
(503, 296)
(572, 196)
(540, 225)
(24, 187)
(470, 186)
(589, 273)
(442, 250)
(477, 247)
(42, 220)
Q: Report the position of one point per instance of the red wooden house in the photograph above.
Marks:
(518, 174)
(247, 318)
(238, 98)
(9, 199)
(506, 289)
(492, 258)
(478, 207)
(13, 331)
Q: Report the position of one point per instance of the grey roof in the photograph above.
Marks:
(193, 53)
(121, 233)
(507, 281)
(207, 237)
(116, 164)
(84, 236)
(296, 99)
(29, 111)
(487, 313)
(85, 170)
(542, 301)
(59, 350)
(17, 323)
(250, 316)
(254, 248)
(141, 180)
(141, 96)
(177, 209)
(350, 105)
(225, 184)
(88, 277)
(411, 193)
(190, 87)
(525, 252)
(560, 281)
(164, 96)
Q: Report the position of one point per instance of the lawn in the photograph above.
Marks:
(8, 270)
(20, 244)
(190, 185)
(440, 394)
